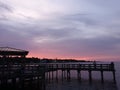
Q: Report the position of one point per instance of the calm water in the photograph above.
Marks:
(74, 84)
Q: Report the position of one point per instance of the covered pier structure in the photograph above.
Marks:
(6, 52)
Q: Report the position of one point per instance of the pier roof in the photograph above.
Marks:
(8, 51)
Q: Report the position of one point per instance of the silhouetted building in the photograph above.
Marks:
(12, 52)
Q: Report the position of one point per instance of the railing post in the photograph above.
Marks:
(89, 66)
(101, 66)
(94, 65)
(79, 66)
(112, 66)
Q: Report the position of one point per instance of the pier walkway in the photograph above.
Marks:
(19, 73)
(81, 67)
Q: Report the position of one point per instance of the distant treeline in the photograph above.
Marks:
(60, 60)
(38, 60)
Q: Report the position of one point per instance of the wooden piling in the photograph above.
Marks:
(79, 75)
(114, 79)
(90, 76)
(56, 75)
(102, 77)
(68, 74)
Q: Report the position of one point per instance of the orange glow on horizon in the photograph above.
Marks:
(89, 58)
(39, 55)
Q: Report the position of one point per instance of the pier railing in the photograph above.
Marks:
(12, 70)
(25, 71)
(37, 69)
(93, 67)
(66, 68)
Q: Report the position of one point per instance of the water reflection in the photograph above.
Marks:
(84, 85)
(62, 83)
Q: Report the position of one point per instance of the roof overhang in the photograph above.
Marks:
(8, 51)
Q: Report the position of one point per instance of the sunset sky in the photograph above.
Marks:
(77, 29)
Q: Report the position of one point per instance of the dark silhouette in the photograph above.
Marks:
(23, 71)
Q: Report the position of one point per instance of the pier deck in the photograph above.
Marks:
(81, 67)
(31, 71)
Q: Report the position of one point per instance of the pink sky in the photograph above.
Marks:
(79, 29)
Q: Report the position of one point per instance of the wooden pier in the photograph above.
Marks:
(66, 68)
(17, 71)
(17, 75)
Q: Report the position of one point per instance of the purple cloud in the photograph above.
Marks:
(67, 34)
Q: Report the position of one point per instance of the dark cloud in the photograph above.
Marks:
(85, 47)
(5, 7)
(9, 37)
(69, 35)
(81, 18)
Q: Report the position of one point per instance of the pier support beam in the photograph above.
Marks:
(49, 76)
(114, 79)
(79, 75)
(68, 74)
(14, 82)
(90, 76)
(102, 77)
(63, 74)
(56, 75)
(52, 74)
(46, 75)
